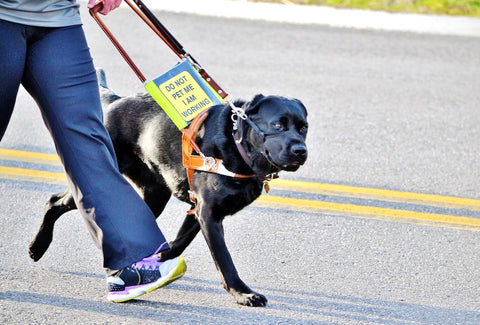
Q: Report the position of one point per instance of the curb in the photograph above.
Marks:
(326, 16)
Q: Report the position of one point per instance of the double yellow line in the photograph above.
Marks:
(31, 175)
(312, 206)
(372, 212)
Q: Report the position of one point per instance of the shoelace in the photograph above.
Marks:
(147, 262)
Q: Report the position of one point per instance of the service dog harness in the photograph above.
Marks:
(200, 162)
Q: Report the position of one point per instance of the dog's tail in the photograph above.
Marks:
(107, 96)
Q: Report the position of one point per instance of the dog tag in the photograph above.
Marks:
(266, 186)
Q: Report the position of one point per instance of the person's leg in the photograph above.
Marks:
(12, 60)
(60, 75)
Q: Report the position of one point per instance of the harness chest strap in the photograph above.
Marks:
(199, 162)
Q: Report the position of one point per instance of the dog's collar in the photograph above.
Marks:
(200, 162)
(238, 116)
(238, 142)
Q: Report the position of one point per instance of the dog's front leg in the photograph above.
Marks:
(185, 235)
(213, 232)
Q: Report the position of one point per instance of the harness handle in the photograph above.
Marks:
(149, 18)
(153, 22)
(94, 13)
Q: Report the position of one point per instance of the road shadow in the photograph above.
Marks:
(141, 310)
(371, 311)
(285, 306)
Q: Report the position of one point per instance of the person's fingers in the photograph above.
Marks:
(109, 5)
(92, 3)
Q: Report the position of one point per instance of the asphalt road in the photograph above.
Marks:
(387, 111)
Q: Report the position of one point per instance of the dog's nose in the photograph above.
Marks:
(299, 149)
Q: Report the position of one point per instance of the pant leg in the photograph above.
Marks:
(13, 48)
(61, 77)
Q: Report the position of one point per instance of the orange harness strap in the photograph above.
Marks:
(200, 162)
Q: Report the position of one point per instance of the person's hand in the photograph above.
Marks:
(108, 5)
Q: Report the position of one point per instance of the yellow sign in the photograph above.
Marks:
(186, 95)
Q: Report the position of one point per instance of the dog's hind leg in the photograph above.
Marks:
(151, 186)
(185, 235)
(55, 207)
(156, 195)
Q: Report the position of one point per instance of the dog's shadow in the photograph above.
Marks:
(303, 307)
(285, 306)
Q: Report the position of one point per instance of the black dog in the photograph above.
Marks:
(149, 153)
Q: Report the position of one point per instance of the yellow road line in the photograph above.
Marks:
(308, 187)
(377, 194)
(359, 211)
(28, 156)
(363, 211)
(31, 175)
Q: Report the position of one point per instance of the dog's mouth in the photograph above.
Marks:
(289, 166)
(292, 167)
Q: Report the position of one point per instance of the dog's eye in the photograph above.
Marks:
(278, 125)
(304, 129)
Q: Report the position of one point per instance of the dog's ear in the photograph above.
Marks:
(301, 105)
(239, 102)
(252, 107)
(257, 98)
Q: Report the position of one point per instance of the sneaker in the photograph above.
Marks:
(143, 277)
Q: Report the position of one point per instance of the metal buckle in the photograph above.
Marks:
(238, 111)
(209, 163)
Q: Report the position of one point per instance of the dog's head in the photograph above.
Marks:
(275, 138)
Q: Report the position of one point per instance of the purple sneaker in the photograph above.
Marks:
(143, 277)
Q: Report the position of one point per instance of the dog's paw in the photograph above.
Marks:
(39, 246)
(167, 254)
(251, 299)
